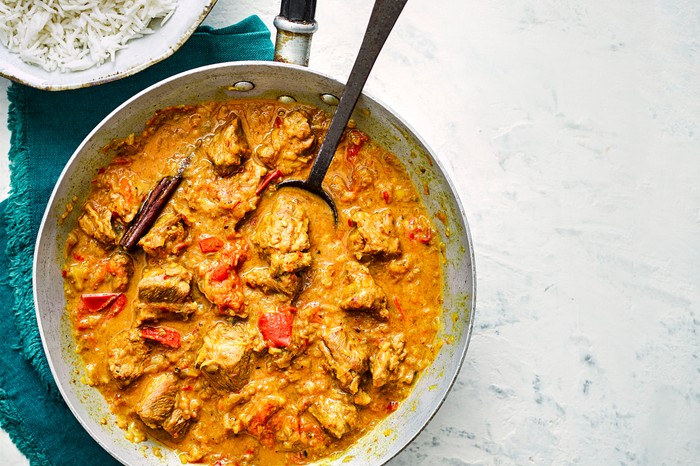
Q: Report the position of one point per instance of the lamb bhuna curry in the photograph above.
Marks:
(244, 326)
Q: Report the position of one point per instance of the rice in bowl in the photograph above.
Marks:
(75, 35)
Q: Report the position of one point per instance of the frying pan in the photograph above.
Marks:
(255, 80)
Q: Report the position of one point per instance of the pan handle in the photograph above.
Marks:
(295, 26)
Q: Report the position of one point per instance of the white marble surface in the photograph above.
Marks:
(571, 130)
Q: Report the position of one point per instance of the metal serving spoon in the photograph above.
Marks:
(381, 22)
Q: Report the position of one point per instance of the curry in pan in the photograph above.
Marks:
(244, 326)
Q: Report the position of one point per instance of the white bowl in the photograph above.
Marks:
(138, 55)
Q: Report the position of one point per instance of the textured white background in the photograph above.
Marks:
(571, 131)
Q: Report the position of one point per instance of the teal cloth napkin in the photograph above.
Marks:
(46, 128)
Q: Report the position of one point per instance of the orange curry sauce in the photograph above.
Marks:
(245, 327)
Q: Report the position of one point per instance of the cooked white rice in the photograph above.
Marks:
(74, 35)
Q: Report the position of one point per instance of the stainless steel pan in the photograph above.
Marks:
(259, 80)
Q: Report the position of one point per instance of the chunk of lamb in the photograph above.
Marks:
(225, 356)
(154, 312)
(228, 148)
(288, 284)
(218, 279)
(120, 267)
(375, 235)
(233, 196)
(126, 354)
(96, 222)
(359, 292)
(115, 188)
(346, 356)
(254, 415)
(176, 423)
(283, 235)
(114, 271)
(114, 202)
(157, 409)
(166, 236)
(167, 284)
(385, 363)
(237, 195)
(337, 417)
(157, 400)
(289, 146)
(223, 288)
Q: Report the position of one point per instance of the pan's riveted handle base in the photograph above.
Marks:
(295, 27)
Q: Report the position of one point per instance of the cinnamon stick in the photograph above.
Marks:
(149, 211)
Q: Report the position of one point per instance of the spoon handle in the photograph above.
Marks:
(384, 16)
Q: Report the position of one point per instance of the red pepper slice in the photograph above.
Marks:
(267, 180)
(392, 406)
(96, 302)
(399, 308)
(209, 244)
(93, 307)
(356, 140)
(164, 335)
(289, 310)
(220, 273)
(276, 328)
(117, 306)
(352, 151)
(419, 230)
